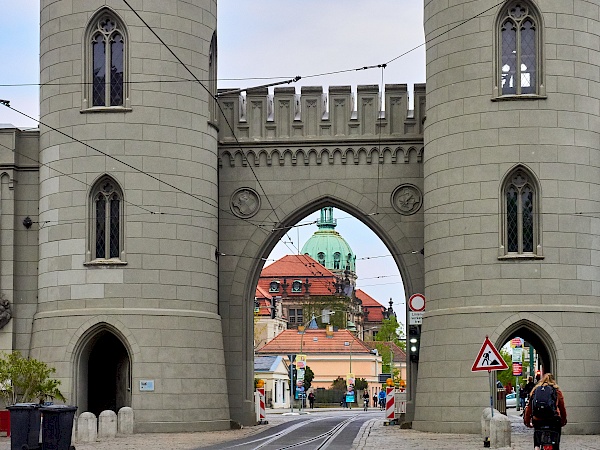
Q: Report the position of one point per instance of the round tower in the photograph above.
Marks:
(511, 170)
(127, 307)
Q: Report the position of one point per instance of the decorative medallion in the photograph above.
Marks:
(407, 199)
(245, 203)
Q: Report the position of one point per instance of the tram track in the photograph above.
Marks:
(321, 439)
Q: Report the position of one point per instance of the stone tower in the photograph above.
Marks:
(511, 170)
(127, 307)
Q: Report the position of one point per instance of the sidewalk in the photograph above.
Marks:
(374, 435)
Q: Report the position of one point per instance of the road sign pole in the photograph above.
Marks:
(491, 392)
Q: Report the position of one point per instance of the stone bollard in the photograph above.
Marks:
(500, 431)
(125, 420)
(107, 425)
(87, 427)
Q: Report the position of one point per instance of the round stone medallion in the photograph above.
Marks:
(407, 199)
(245, 202)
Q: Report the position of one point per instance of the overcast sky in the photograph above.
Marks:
(271, 39)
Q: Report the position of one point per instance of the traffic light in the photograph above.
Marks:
(273, 307)
(292, 375)
(256, 306)
(414, 341)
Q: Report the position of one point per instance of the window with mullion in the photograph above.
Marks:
(518, 54)
(108, 63)
(520, 215)
(107, 222)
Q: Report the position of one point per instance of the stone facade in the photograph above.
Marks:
(171, 302)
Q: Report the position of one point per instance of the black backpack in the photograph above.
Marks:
(543, 402)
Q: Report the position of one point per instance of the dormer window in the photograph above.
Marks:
(297, 286)
(274, 286)
(336, 260)
(321, 258)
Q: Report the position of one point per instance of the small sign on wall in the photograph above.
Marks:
(147, 385)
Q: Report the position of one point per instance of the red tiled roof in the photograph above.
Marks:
(262, 293)
(288, 341)
(298, 267)
(371, 305)
(399, 354)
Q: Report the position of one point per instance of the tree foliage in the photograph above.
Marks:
(26, 380)
(360, 384)
(339, 383)
(392, 331)
(308, 377)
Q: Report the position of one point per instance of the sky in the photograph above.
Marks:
(278, 40)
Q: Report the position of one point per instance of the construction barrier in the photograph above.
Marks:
(389, 403)
(261, 409)
(400, 401)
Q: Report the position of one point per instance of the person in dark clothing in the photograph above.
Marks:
(556, 422)
(311, 400)
(375, 400)
(522, 397)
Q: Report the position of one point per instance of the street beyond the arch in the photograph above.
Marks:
(358, 430)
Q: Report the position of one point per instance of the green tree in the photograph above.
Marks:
(27, 379)
(339, 383)
(360, 384)
(392, 331)
(308, 377)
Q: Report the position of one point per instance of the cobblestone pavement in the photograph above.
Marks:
(373, 435)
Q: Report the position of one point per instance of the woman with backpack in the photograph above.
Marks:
(546, 409)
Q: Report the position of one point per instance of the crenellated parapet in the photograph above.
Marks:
(313, 114)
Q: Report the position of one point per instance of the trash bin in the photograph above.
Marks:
(24, 426)
(57, 427)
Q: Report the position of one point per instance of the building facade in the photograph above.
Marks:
(140, 244)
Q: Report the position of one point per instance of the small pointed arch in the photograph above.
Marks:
(251, 158)
(520, 214)
(106, 62)
(106, 224)
(301, 156)
(102, 364)
(519, 50)
(227, 158)
(536, 333)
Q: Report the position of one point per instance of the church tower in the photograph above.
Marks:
(511, 201)
(127, 288)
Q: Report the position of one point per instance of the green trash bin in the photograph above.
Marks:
(24, 426)
(57, 427)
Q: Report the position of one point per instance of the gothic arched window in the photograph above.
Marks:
(106, 62)
(521, 214)
(212, 76)
(106, 242)
(519, 50)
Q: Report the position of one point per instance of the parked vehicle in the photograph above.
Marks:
(511, 400)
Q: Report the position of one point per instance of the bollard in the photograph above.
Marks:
(107, 425)
(500, 431)
(486, 415)
(262, 415)
(125, 420)
(87, 427)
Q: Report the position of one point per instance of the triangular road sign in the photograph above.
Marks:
(488, 358)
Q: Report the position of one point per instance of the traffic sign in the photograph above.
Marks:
(517, 355)
(488, 358)
(415, 318)
(384, 376)
(416, 303)
(516, 342)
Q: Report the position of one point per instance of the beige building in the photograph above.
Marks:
(132, 234)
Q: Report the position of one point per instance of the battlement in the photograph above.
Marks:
(313, 114)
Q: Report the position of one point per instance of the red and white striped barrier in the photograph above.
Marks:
(262, 414)
(389, 403)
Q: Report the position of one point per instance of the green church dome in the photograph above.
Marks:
(328, 247)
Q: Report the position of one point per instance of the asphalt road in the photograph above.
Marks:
(323, 430)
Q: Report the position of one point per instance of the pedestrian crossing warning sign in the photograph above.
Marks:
(488, 358)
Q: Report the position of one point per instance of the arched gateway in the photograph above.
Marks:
(288, 165)
(155, 218)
